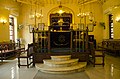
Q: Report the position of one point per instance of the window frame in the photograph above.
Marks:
(11, 28)
(111, 30)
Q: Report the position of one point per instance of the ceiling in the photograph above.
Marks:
(44, 2)
(11, 4)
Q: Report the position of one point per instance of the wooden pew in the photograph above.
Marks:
(8, 49)
(111, 45)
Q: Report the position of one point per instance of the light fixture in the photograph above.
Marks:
(90, 27)
(87, 19)
(82, 26)
(37, 13)
(83, 14)
(118, 19)
(2, 20)
(61, 11)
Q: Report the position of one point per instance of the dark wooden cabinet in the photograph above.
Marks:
(54, 43)
(60, 39)
(54, 18)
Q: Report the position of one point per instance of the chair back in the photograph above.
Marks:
(91, 48)
(30, 50)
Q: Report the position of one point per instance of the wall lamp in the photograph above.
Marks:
(118, 19)
(4, 21)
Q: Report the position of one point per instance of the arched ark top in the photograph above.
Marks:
(61, 18)
(66, 11)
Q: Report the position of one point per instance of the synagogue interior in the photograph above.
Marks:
(59, 39)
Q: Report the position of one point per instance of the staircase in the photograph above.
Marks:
(61, 65)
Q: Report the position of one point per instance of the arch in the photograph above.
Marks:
(56, 9)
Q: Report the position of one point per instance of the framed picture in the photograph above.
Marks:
(31, 26)
(41, 26)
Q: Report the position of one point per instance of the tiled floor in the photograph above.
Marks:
(10, 70)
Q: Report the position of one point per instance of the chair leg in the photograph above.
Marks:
(27, 63)
(94, 61)
(2, 61)
(18, 62)
(103, 62)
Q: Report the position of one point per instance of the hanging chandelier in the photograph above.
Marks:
(36, 14)
(87, 19)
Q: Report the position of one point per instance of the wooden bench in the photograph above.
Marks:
(111, 45)
(8, 50)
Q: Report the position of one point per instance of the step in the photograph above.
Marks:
(67, 63)
(62, 70)
(61, 58)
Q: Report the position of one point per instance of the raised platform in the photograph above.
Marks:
(61, 65)
(78, 75)
(82, 56)
(61, 58)
(67, 63)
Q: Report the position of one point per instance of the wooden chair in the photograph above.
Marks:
(28, 56)
(3, 52)
(1, 55)
(96, 53)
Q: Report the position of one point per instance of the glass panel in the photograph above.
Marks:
(11, 37)
(111, 24)
(10, 20)
(11, 32)
(11, 27)
(112, 34)
(111, 30)
(112, 17)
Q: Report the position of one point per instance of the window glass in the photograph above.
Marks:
(11, 28)
(111, 31)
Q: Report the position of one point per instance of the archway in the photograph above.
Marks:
(61, 11)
